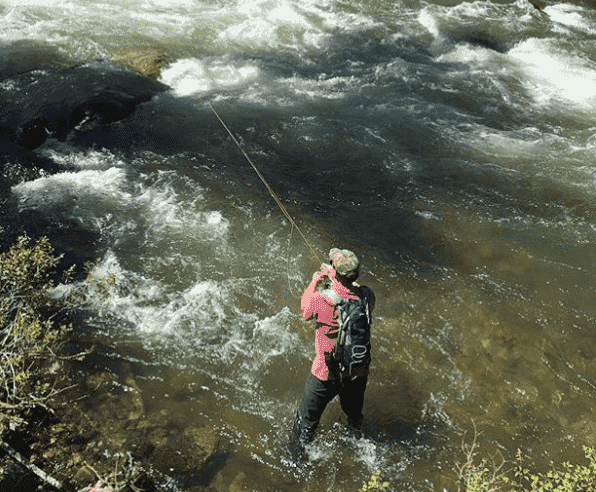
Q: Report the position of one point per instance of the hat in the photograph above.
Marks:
(344, 261)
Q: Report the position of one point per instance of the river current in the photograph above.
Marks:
(451, 145)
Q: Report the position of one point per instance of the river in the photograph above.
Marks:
(451, 145)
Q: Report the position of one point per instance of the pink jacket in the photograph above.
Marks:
(321, 307)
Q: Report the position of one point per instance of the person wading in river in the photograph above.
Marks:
(329, 287)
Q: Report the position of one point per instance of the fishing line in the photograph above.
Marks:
(269, 189)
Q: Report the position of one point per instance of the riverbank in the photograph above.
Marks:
(48, 437)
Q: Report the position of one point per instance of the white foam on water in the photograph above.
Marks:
(164, 211)
(80, 196)
(306, 24)
(430, 22)
(144, 304)
(68, 156)
(160, 218)
(570, 16)
(105, 193)
(271, 338)
(200, 325)
(475, 56)
(258, 23)
(368, 453)
(191, 76)
(118, 297)
(556, 77)
(91, 29)
(46, 20)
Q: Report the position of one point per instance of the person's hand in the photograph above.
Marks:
(325, 271)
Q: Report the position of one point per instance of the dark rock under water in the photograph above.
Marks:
(54, 103)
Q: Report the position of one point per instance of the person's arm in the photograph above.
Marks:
(370, 296)
(308, 302)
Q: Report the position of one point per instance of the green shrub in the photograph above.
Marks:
(565, 478)
(374, 483)
(30, 333)
(483, 475)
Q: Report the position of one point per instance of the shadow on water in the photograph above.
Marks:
(340, 184)
(395, 412)
(214, 464)
(335, 182)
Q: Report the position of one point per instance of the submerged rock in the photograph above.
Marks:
(18, 163)
(84, 477)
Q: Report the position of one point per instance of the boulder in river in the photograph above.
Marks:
(55, 103)
(146, 60)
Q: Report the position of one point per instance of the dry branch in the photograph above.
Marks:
(30, 466)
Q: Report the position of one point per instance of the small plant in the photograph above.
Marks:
(484, 476)
(568, 478)
(374, 483)
(122, 478)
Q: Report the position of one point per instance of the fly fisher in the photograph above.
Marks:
(342, 310)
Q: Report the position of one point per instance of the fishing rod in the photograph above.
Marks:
(269, 189)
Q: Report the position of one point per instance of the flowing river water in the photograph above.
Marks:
(451, 145)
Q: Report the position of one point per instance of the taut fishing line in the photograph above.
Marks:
(271, 192)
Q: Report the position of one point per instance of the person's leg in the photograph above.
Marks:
(351, 399)
(317, 394)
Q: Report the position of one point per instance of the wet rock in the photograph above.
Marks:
(84, 477)
(103, 109)
(32, 134)
(134, 401)
(186, 453)
(65, 105)
(154, 428)
(237, 484)
(206, 438)
(26, 55)
(55, 103)
(522, 392)
(146, 60)
(538, 4)
(7, 134)
(103, 380)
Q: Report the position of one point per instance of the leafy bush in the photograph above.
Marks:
(566, 478)
(374, 483)
(484, 476)
(30, 331)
